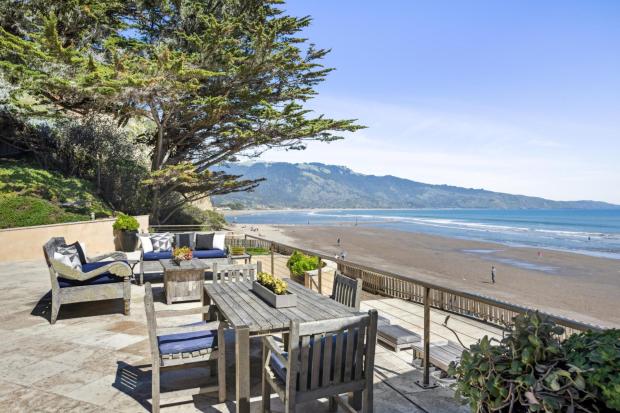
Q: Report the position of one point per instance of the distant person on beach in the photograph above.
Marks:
(338, 241)
(493, 274)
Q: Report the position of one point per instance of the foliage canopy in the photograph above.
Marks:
(214, 80)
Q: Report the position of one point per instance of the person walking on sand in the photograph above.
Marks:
(493, 274)
(338, 241)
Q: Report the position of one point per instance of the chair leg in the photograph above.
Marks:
(355, 400)
(289, 407)
(55, 308)
(266, 388)
(333, 404)
(367, 405)
(127, 303)
(155, 388)
(141, 272)
(221, 378)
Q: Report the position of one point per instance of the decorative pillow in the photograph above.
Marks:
(210, 241)
(184, 239)
(161, 242)
(79, 250)
(147, 245)
(204, 241)
(68, 255)
(219, 241)
(84, 253)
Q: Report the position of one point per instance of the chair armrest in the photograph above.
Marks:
(117, 256)
(188, 311)
(214, 325)
(271, 344)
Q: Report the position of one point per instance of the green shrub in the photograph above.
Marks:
(256, 251)
(299, 263)
(24, 211)
(528, 371)
(73, 195)
(597, 355)
(126, 223)
(192, 215)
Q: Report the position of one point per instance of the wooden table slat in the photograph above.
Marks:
(247, 313)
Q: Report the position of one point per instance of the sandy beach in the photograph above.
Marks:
(577, 286)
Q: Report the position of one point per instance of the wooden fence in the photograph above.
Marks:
(406, 287)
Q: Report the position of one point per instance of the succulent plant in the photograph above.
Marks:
(527, 371)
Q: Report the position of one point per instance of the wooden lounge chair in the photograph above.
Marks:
(347, 291)
(96, 280)
(323, 359)
(184, 346)
(441, 354)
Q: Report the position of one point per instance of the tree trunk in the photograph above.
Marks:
(156, 166)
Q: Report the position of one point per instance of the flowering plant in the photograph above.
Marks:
(182, 254)
(276, 285)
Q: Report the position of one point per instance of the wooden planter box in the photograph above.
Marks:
(274, 300)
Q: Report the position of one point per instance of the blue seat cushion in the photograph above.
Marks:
(212, 253)
(187, 342)
(157, 255)
(105, 278)
(279, 369)
(89, 266)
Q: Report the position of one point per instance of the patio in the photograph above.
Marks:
(96, 359)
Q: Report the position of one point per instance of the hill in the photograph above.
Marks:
(33, 196)
(315, 185)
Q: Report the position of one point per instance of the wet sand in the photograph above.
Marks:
(574, 285)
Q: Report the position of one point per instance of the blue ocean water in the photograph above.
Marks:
(591, 232)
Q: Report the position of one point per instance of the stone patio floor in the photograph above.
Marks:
(95, 359)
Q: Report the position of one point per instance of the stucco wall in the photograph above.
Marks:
(20, 244)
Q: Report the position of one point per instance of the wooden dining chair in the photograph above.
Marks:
(323, 359)
(235, 272)
(347, 291)
(184, 346)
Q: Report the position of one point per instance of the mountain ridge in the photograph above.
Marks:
(317, 185)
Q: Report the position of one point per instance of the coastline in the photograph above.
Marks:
(573, 285)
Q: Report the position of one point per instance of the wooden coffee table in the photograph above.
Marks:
(183, 283)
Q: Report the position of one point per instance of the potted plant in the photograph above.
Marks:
(237, 250)
(274, 291)
(182, 256)
(529, 370)
(300, 263)
(127, 227)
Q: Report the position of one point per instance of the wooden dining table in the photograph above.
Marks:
(250, 316)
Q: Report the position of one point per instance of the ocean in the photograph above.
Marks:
(590, 232)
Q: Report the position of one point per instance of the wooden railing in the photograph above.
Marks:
(406, 287)
(410, 288)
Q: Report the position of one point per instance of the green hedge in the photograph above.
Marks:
(25, 211)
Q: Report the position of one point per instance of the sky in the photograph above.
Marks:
(512, 96)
